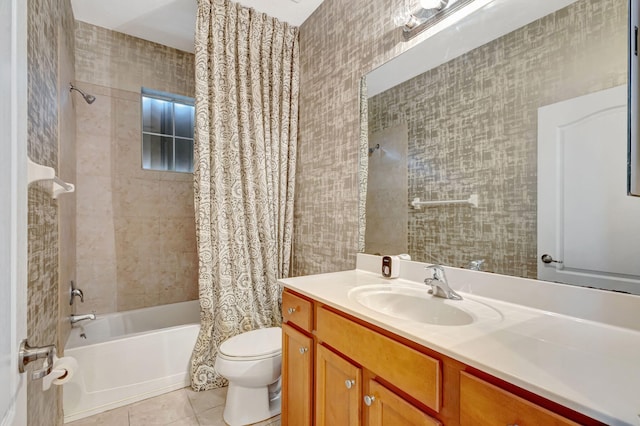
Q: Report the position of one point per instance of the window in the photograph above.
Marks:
(167, 132)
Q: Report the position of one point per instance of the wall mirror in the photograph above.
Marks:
(500, 143)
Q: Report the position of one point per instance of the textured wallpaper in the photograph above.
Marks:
(50, 42)
(472, 126)
(339, 43)
(342, 41)
(136, 228)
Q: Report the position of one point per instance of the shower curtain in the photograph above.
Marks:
(245, 150)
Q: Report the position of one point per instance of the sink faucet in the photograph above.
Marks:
(439, 285)
(75, 318)
(475, 265)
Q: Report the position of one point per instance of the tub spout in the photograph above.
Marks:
(75, 318)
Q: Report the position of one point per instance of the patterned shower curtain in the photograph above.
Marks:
(245, 151)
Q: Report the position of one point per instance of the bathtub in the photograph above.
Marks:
(128, 356)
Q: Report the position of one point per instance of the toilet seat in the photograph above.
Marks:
(252, 345)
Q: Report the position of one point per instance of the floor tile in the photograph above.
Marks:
(212, 417)
(187, 421)
(115, 417)
(161, 410)
(205, 400)
(183, 407)
(273, 421)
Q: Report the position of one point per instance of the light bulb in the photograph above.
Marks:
(431, 4)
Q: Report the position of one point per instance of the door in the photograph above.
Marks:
(338, 390)
(585, 218)
(385, 408)
(297, 377)
(13, 209)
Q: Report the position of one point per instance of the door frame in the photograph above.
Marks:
(14, 144)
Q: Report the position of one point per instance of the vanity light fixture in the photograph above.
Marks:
(428, 14)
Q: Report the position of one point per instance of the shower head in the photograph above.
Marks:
(88, 98)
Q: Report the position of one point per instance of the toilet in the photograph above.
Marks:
(251, 362)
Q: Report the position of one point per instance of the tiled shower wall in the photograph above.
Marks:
(51, 243)
(472, 127)
(339, 43)
(136, 228)
(386, 203)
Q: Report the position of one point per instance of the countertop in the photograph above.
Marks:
(589, 366)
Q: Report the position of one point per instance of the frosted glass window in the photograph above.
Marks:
(167, 132)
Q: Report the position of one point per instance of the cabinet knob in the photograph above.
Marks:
(368, 400)
(291, 310)
(349, 383)
(303, 350)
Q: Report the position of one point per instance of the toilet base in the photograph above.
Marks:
(246, 405)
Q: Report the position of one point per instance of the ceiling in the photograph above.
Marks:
(172, 22)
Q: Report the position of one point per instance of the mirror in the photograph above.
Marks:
(633, 183)
(500, 144)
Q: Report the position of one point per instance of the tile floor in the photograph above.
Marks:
(183, 407)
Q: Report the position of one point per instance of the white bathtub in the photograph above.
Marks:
(130, 356)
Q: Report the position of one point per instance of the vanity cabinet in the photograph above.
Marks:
(297, 377)
(338, 389)
(297, 360)
(341, 398)
(385, 408)
(340, 370)
(482, 403)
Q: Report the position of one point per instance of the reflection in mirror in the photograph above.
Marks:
(533, 123)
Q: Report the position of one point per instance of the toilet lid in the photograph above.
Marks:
(263, 342)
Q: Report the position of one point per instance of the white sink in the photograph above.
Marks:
(414, 303)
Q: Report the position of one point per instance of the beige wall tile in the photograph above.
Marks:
(95, 239)
(94, 119)
(127, 119)
(94, 154)
(98, 281)
(95, 196)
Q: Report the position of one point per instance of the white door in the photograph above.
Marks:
(585, 218)
(13, 209)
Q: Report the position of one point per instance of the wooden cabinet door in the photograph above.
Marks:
(338, 390)
(385, 408)
(297, 377)
(483, 404)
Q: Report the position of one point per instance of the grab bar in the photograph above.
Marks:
(472, 201)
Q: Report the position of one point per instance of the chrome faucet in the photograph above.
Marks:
(439, 285)
(475, 265)
(76, 292)
(75, 318)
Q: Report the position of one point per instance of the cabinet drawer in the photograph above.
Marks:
(296, 310)
(411, 371)
(482, 403)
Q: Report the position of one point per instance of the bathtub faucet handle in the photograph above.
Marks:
(75, 292)
(75, 318)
